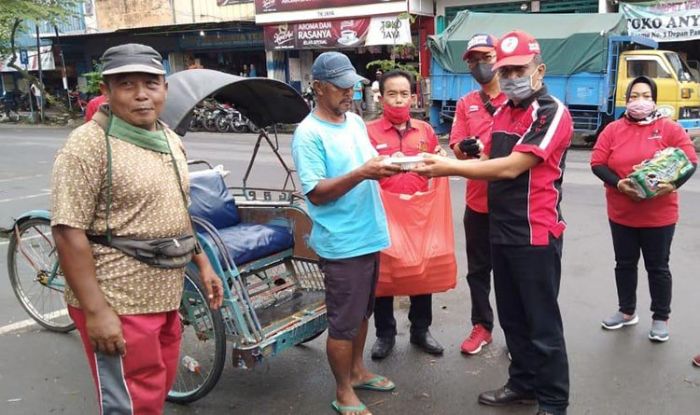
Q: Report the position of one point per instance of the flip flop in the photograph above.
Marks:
(341, 409)
(375, 384)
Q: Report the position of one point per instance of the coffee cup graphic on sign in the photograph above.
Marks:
(348, 37)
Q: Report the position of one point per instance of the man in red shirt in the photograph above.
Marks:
(529, 140)
(396, 134)
(94, 105)
(471, 131)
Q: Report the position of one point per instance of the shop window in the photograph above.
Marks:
(650, 68)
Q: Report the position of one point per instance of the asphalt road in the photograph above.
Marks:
(611, 372)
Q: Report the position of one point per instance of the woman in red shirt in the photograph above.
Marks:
(645, 225)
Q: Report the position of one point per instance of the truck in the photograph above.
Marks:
(590, 60)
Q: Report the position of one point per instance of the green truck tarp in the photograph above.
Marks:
(571, 43)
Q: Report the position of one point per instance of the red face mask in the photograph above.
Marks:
(397, 115)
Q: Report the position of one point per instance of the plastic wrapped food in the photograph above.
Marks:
(666, 166)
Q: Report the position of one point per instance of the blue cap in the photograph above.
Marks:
(335, 67)
(480, 42)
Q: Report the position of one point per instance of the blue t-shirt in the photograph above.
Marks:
(355, 223)
(357, 91)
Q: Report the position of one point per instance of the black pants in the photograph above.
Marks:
(655, 246)
(526, 282)
(476, 230)
(420, 315)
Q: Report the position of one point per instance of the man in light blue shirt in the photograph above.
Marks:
(339, 170)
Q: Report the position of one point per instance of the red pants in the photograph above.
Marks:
(137, 383)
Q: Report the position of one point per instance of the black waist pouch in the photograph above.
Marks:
(173, 252)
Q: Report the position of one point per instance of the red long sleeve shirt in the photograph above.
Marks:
(473, 120)
(624, 144)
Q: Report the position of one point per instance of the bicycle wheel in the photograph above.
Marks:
(203, 346)
(36, 279)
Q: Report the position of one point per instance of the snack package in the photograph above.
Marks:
(666, 166)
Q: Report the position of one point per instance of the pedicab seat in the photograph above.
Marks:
(245, 242)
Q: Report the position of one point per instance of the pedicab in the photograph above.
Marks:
(255, 239)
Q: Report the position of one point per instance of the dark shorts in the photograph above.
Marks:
(350, 285)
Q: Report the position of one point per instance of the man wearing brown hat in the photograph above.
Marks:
(531, 134)
(121, 179)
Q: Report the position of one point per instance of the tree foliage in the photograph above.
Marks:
(14, 14)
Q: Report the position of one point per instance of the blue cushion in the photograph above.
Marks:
(247, 242)
(211, 200)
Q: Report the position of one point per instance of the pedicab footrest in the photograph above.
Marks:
(245, 242)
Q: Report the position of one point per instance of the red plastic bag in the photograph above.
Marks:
(421, 258)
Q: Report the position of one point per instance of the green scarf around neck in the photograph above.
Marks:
(151, 140)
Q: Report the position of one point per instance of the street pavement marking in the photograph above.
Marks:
(11, 179)
(13, 199)
(20, 325)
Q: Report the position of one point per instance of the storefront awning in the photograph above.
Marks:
(339, 34)
(47, 61)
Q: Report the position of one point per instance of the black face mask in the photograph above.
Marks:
(483, 73)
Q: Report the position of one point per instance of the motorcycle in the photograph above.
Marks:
(308, 96)
(230, 119)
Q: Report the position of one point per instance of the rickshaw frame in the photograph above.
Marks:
(282, 277)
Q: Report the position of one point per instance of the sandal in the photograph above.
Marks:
(342, 409)
(378, 384)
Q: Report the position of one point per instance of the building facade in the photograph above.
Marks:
(366, 30)
(214, 34)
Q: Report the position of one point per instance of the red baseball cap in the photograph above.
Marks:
(480, 42)
(516, 48)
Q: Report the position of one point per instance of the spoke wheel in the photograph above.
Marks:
(203, 345)
(35, 276)
(239, 126)
(222, 123)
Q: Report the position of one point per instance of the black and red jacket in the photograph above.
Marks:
(525, 210)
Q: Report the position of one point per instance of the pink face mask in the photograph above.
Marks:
(639, 109)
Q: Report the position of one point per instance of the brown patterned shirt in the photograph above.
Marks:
(146, 204)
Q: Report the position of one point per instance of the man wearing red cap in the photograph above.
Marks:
(531, 134)
(471, 132)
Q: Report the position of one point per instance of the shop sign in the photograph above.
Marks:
(330, 34)
(339, 34)
(663, 22)
(274, 6)
(388, 30)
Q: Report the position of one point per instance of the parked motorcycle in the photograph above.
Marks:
(230, 119)
(308, 96)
